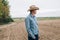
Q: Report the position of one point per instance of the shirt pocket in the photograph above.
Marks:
(32, 22)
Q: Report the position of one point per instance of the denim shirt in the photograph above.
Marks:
(31, 25)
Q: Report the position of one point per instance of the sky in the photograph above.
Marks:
(48, 8)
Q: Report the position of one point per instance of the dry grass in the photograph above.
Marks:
(49, 30)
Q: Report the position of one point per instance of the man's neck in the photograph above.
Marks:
(33, 14)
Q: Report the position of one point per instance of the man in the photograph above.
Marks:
(31, 23)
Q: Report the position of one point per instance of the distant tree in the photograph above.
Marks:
(4, 12)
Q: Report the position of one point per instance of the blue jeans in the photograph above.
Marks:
(30, 38)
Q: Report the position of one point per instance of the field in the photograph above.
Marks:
(49, 30)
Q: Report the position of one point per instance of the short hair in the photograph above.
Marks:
(31, 11)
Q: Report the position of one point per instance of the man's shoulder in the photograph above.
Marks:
(28, 17)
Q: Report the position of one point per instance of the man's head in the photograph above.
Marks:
(33, 9)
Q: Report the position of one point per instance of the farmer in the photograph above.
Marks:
(31, 23)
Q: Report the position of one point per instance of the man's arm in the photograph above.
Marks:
(27, 23)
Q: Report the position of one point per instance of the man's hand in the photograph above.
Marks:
(39, 36)
(34, 37)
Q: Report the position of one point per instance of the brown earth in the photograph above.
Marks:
(49, 30)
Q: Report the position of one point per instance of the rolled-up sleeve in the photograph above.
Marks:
(27, 23)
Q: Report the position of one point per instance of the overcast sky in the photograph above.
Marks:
(48, 8)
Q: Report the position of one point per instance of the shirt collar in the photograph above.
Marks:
(32, 15)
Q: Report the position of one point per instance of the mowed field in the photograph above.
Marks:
(48, 30)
